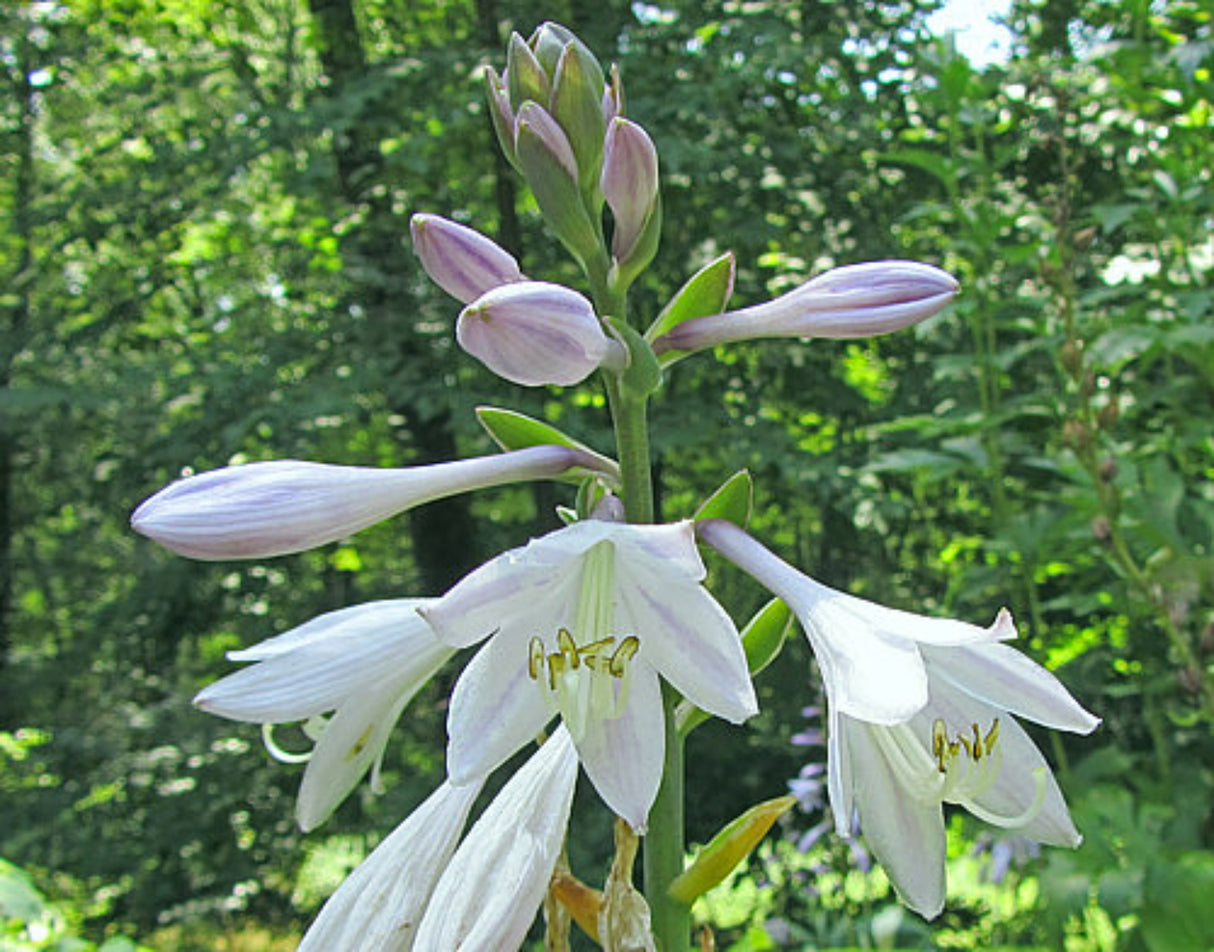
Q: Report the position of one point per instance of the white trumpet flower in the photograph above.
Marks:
(584, 623)
(365, 663)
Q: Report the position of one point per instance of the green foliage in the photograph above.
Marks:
(204, 262)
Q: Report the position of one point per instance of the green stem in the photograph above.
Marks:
(664, 847)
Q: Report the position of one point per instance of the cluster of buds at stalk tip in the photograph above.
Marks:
(529, 332)
(560, 123)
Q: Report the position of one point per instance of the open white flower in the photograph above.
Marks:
(365, 663)
(920, 715)
(584, 623)
(380, 905)
(491, 890)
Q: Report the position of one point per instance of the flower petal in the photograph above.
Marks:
(690, 640)
(906, 835)
(623, 756)
(353, 740)
(495, 709)
(379, 906)
(1007, 679)
(489, 894)
(315, 667)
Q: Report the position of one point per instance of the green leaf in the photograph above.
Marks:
(734, 500)
(512, 430)
(1176, 902)
(706, 292)
(728, 848)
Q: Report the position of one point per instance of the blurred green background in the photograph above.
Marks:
(204, 259)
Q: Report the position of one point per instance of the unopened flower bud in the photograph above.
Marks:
(460, 260)
(264, 509)
(629, 183)
(859, 300)
(577, 105)
(526, 79)
(534, 333)
(548, 163)
(502, 114)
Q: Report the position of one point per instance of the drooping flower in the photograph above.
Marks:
(858, 300)
(265, 509)
(920, 714)
(583, 623)
(490, 891)
(461, 260)
(380, 905)
(533, 333)
(364, 663)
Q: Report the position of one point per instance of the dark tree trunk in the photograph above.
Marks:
(443, 532)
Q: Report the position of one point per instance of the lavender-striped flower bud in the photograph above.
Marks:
(534, 333)
(859, 300)
(273, 508)
(460, 260)
(629, 183)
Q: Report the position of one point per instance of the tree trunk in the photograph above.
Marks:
(443, 532)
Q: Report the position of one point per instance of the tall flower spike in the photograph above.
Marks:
(943, 734)
(461, 260)
(858, 300)
(491, 890)
(365, 663)
(583, 623)
(260, 510)
(380, 905)
(534, 334)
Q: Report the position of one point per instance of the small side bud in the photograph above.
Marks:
(534, 334)
(461, 260)
(859, 300)
(629, 183)
(501, 113)
(1109, 413)
(1107, 469)
(1072, 357)
(1102, 530)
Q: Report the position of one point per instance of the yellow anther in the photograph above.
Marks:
(946, 749)
(623, 654)
(535, 658)
(568, 647)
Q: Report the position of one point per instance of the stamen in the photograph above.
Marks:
(623, 654)
(282, 756)
(535, 658)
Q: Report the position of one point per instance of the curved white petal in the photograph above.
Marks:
(840, 780)
(690, 640)
(493, 886)
(623, 755)
(315, 667)
(353, 740)
(495, 709)
(509, 590)
(354, 623)
(379, 906)
(1007, 679)
(905, 834)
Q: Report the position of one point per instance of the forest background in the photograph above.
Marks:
(205, 260)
